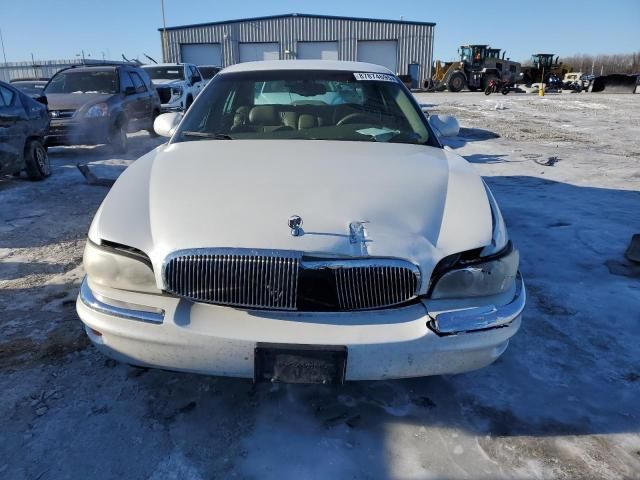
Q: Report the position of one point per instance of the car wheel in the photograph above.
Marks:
(151, 131)
(456, 82)
(36, 160)
(118, 139)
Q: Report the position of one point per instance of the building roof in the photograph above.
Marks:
(306, 65)
(293, 15)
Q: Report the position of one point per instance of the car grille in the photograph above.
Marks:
(287, 281)
(164, 93)
(361, 288)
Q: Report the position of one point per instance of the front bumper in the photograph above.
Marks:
(182, 335)
(90, 131)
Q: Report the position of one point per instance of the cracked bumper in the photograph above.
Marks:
(167, 332)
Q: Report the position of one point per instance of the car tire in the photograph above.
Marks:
(118, 138)
(151, 131)
(36, 160)
(456, 82)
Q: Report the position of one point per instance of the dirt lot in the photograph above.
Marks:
(562, 402)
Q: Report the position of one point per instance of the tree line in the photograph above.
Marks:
(603, 64)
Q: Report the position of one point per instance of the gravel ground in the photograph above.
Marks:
(562, 402)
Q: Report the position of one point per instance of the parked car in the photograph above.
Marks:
(301, 241)
(208, 71)
(23, 127)
(178, 84)
(32, 87)
(94, 104)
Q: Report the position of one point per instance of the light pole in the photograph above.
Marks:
(165, 46)
(4, 54)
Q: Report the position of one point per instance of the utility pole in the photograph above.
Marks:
(165, 46)
(4, 54)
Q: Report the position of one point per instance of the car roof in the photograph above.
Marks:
(163, 65)
(306, 65)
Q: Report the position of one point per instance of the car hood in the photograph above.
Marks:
(167, 82)
(73, 101)
(416, 202)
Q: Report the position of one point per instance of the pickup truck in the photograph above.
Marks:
(178, 84)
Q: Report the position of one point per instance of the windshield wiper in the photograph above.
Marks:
(215, 136)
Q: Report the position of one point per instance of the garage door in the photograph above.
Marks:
(317, 50)
(201, 53)
(380, 52)
(251, 52)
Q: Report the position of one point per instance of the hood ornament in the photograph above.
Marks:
(295, 224)
(358, 236)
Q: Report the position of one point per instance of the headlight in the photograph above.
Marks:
(119, 269)
(98, 110)
(478, 278)
(500, 238)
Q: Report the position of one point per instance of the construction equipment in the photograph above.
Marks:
(478, 65)
(542, 66)
(616, 83)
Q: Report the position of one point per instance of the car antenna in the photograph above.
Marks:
(150, 58)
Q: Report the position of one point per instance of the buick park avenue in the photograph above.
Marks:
(303, 223)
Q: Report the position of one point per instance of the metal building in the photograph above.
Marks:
(404, 47)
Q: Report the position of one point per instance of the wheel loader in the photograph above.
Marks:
(541, 67)
(478, 65)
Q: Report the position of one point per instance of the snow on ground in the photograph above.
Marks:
(562, 402)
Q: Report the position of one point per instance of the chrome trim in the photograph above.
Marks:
(89, 299)
(481, 318)
(263, 278)
(253, 278)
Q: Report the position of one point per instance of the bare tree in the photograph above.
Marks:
(603, 64)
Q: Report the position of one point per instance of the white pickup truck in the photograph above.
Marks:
(178, 84)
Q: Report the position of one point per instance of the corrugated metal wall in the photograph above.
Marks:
(415, 41)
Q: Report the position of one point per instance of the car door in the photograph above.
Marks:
(13, 129)
(129, 103)
(144, 100)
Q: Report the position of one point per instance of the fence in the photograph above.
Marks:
(40, 68)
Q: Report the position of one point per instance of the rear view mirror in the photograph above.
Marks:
(444, 125)
(165, 124)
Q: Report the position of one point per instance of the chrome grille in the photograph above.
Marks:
(284, 280)
(251, 279)
(365, 287)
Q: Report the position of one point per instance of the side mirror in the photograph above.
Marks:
(42, 99)
(165, 124)
(444, 125)
(130, 91)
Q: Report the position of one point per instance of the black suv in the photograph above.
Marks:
(92, 104)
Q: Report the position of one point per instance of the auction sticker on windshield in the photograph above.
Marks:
(379, 77)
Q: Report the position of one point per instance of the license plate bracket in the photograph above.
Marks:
(287, 363)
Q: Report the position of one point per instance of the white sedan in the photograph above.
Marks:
(323, 237)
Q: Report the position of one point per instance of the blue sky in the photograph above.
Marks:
(61, 29)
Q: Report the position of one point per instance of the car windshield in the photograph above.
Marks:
(31, 88)
(208, 72)
(305, 105)
(100, 81)
(165, 73)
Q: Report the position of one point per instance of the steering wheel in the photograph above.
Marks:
(354, 118)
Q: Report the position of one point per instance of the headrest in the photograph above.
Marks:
(306, 121)
(264, 115)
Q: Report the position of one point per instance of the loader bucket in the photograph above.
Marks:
(615, 83)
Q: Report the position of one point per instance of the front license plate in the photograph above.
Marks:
(287, 363)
